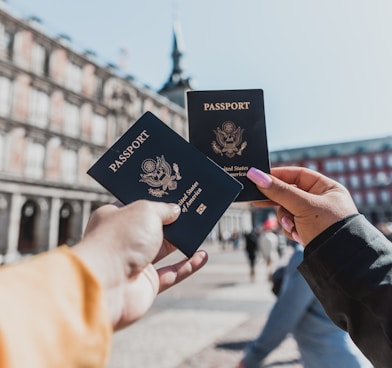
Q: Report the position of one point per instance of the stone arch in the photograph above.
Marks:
(5, 201)
(65, 222)
(27, 241)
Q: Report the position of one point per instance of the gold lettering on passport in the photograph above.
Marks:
(239, 171)
(235, 171)
(128, 152)
(229, 140)
(189, 196)
(158, 176)
(222, 106)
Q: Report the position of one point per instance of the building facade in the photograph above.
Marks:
(59, 111)
(364, 167)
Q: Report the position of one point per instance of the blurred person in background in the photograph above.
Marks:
(347, 261)
(268, 243)
(298, 312)
(251, 249)
(236, 239)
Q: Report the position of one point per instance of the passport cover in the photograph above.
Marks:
(151, 161)
(229, 127)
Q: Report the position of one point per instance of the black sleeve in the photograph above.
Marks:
(349, 268)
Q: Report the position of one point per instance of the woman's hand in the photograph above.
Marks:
(307, 201)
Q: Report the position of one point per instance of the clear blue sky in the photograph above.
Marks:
(325, 66)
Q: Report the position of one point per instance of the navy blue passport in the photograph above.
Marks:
(151, 161)
(229, 127)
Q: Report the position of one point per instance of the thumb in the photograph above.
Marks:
(168, 212)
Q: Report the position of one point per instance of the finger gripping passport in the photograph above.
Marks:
(151, 161)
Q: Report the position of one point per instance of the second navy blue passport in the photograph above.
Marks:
(229, 127)
(151, 161)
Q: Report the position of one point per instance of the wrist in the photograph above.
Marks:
(106, 266)
(327, 233)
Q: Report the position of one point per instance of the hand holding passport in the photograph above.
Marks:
(151, 161)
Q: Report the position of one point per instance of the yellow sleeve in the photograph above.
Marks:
(52, 314)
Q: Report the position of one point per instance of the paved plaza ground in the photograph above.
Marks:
(204, 322)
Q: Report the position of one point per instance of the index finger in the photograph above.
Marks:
(306, 179)
(290, 187)
(173, 274)
(167, 212)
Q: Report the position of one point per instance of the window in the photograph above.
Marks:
(40, 62)
(371, 197)
(34, 163)
(382, 179)
(5, 96)
(389, 159)
(39, 108)
(6, 43)
(71, 120)
(352, 164)
(368, 180)
(99, 88)
(99, 129)
(334, 165)
(339, 165)
(68, 166)
(53, 156)
(365, 162)
(379, 161)
(385, 196)
(354, 181)
(73, 79)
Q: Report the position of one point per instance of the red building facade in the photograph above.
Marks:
(364, 167)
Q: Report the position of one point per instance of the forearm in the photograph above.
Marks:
(52, 314)
(350, 271)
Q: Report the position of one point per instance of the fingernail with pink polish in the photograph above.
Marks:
(287, 224)
(259, 177)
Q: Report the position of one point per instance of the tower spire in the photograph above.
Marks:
(177, 53)
(176, 85)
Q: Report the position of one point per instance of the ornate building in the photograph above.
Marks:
(364, 167)
(59, 111)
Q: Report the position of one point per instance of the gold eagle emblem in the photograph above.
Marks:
(229, 140)
(158, 175)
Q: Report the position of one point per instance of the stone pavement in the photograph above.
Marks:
(204, 322)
